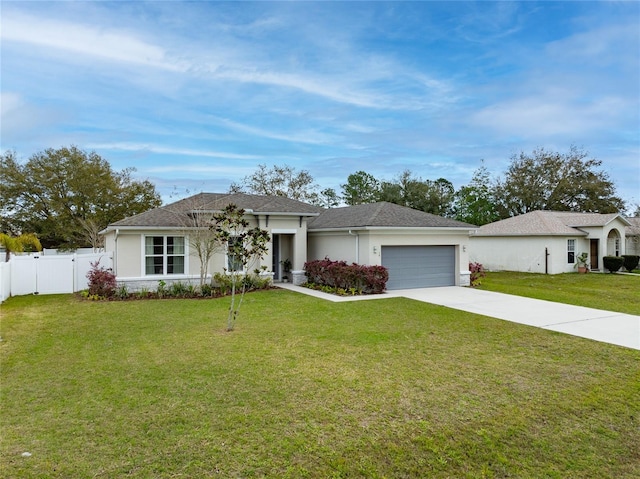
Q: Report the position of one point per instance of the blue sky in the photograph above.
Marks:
(196, 95)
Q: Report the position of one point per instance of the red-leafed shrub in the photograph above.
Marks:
(477, 273)
(102, 281)
(346, 278)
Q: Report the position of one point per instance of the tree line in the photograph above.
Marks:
(541, 180)
(66, 196)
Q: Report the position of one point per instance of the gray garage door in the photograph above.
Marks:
(419, 266)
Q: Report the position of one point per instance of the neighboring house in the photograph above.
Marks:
(632, 233)
(548, 241)
(419, 249)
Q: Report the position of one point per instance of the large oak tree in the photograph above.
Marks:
(64, 195)
(545, 180)
(283, 181)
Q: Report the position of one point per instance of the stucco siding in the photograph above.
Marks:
(525, 254)
(333, 245)
(365, 246)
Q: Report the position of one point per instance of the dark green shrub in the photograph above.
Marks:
(630, 261)
(206, 290)
(179, 290)
(613, 263)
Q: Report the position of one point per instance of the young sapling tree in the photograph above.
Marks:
(245, 246)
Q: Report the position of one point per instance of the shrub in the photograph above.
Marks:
(477, 273)
(179, 290)
(344, 278)
(102, 281)
(630, 261)
(224, 282)
(206, 290)
(613, 263)
(161, 290)
(122, 292)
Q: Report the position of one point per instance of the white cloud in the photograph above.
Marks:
(109, 44)
(146, 147)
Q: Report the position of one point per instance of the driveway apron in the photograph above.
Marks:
(605, 326)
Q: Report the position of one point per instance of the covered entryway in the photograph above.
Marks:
(419, 266)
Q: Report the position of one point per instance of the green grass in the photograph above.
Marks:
(611, 292)
(306, 388)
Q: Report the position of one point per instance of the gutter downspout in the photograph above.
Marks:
(546, 260)
(115, 253)
(357, 245)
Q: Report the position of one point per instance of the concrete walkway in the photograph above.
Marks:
(605, 326)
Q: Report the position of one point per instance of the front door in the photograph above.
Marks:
(594, 254)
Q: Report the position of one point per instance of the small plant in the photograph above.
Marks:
(178, 290)
(286, 265)
(206, 290)
(223, 282)
(477, 273)
(143, 293)
(122, 292)
(102, 281)
(582, 261)
(613, 263)
(162, 289)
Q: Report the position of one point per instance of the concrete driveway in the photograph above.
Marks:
(605, 326)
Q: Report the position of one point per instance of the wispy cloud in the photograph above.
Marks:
(92, 40)
(163, 150)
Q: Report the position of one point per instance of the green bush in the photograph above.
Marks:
(630, 261)
(224, 282)
(206, 290)
(613, 263)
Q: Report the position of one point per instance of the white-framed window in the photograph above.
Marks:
(233, 264)
(164, 255)
(571, 251)
(617, 246)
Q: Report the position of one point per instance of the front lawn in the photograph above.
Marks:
(306, 388)
(611, 292)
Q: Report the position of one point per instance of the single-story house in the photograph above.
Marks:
(418, 248)
(548, 241)
(632, 232)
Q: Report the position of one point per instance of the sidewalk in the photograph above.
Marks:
(605, 326)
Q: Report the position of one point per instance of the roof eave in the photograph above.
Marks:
(393, 228)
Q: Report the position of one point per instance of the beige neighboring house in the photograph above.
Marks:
(418, 249)
(633, 236)
(549, 241)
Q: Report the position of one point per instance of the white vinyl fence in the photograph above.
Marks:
(48, 274)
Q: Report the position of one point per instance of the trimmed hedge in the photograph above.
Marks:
(340, 276)
(630, 261)
(613, 263)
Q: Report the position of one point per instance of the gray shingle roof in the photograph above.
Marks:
(546, 223)
(634, 228)
(381, 215)
(175, 214)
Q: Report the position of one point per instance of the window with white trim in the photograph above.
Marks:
(234, 264)
(571, 251)
(616, 245)
(164, 255)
